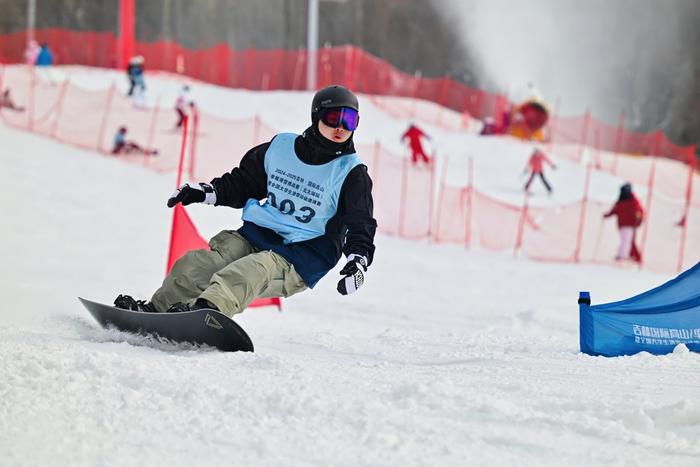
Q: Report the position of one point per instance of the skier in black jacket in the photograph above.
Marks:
(317, 205)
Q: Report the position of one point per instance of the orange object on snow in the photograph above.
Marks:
(527, 120)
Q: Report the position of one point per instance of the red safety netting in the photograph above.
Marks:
(586, 131)
(221, 143)
(453, 216)
(386, 171)
(551, 233)
(410, 201)
(347, 65)
(495, 225)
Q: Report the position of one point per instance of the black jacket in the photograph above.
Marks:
(350, 231)
(133, 70)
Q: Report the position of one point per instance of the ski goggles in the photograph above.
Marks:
(341, 116)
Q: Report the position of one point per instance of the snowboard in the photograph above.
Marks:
(202, 326)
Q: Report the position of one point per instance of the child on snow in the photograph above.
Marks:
(135, 74)
(122, 146)
(182, 101)
(317, 205)
(536, 167)
(6, 102)
(630, 214)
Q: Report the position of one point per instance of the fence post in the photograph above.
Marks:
(683, 223)
(103, 124)
(298, 68)
(154, 120)
(521, 227)
(464, 120)
(248, 70)
(276, 65)
(582, 218)
(375, 160)
(402, 206)
(347, 58)
(183, 146)
(433, 166)
(441, 196)
(650, 186)
(469, 204)
(59, 107)
(180, 169)
(554, 123)
(618, 142)
(193, 144)
(584, 134)
(222, 62)
(352, 79)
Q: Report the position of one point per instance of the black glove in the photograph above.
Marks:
(353, 271)
(195, 193)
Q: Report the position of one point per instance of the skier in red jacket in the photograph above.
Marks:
(414, 135)
(630, 215)
(536, 167)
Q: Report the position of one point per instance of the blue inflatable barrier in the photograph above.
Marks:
(654, 321)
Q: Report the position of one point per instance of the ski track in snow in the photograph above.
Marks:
(444, 357)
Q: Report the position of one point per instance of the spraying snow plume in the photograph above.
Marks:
(609, 56)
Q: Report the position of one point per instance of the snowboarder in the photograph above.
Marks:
(6, 102)
(180, 105)
(535, 165)
(414, 135)
(122, 146)
(317, 205)
(630, 214)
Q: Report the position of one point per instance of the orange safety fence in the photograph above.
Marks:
(585, 131)
(279, 69)
(413, 202)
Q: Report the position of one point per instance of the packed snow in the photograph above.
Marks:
(444, 357)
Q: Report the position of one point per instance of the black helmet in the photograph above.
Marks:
(625, 192)
(333, 96)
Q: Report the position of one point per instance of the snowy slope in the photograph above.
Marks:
(444, 357)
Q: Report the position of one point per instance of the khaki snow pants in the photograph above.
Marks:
(231, 274)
